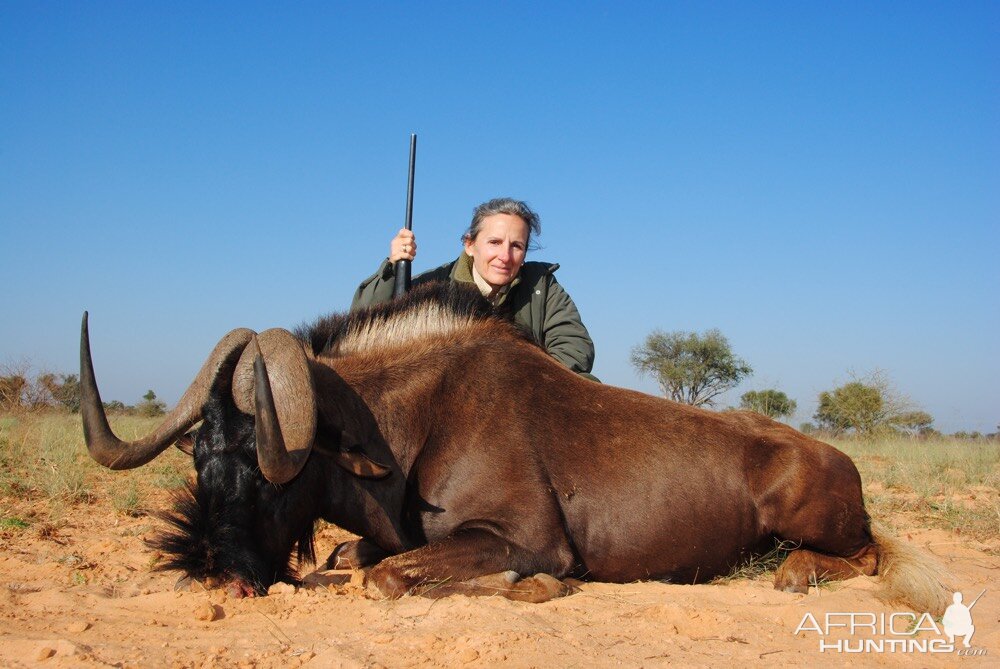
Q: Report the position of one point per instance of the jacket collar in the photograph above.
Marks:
(462, 273)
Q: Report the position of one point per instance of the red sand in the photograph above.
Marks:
(84, 596)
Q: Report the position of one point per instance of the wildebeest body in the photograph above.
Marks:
(457, 448)
(582, 478)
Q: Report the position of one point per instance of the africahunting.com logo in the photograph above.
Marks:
(898, 632)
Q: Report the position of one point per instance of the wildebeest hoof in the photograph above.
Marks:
(387, 583)
(492, 584)
(540, 588)
(344, 556)
(501, 579)
(356, 554)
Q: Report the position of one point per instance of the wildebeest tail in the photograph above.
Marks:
(910, 575)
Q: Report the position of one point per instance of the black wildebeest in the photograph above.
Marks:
(457, 449)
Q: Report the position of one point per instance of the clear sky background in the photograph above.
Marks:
(819, 181)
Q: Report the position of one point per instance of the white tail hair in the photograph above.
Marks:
(911, 575)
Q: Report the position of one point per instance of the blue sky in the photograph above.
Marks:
(821, 183)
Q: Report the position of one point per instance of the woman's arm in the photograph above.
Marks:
(566, 337)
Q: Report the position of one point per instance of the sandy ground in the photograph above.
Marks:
(82, 594)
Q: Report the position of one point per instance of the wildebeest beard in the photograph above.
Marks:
(233, 527)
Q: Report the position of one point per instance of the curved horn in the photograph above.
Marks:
(286, 417)
(114, 453)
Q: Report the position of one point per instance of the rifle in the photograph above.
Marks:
(402, 269)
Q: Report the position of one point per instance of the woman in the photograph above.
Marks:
(493, 260)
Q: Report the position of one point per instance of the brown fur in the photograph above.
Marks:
(502, 459)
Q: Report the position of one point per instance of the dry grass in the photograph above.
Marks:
(45, 469)
(760, 566)
(946, 483)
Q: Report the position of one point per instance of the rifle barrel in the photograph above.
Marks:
(409, 181)
(402, 269)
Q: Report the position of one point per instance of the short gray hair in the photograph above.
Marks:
(503, 205)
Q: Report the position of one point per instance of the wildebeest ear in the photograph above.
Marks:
(186, 442)
(360, 465)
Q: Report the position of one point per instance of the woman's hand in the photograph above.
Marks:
(403, 246)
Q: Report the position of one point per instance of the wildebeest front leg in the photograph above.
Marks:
(471, 562)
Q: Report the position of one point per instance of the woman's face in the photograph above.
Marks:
(498, 250)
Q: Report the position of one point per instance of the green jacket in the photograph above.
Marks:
(535, 300)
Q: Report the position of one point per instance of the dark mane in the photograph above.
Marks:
(438, 305)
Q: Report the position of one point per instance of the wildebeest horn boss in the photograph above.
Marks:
(458, 449)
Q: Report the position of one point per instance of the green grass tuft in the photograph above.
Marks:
(128, 499)
(13, 524)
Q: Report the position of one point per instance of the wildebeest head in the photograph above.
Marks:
(239, 524)
(280, 427)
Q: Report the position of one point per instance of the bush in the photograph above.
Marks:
(19, 390)
(150, 406)
(11, 389)
(867, 407)
(772, 403)
(691, 368)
